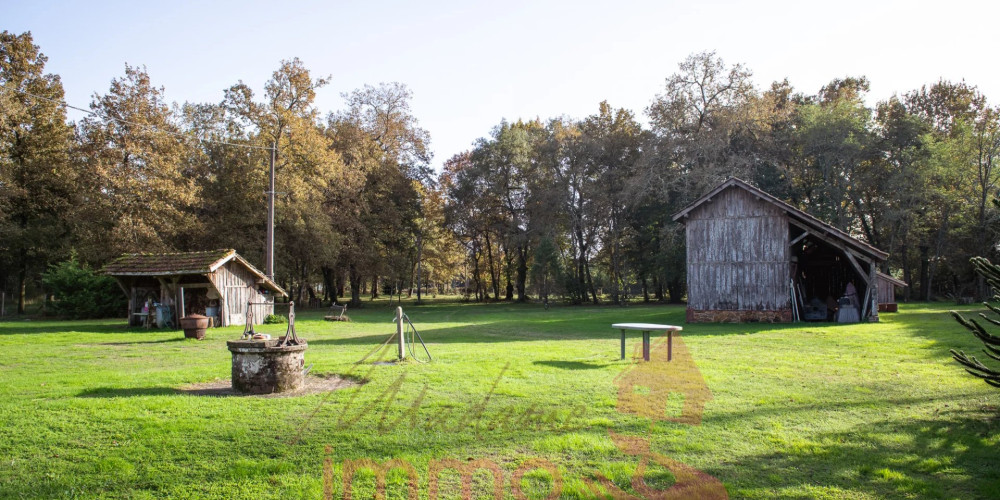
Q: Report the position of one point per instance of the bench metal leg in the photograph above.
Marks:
(645, 346)
(623, 344)
(670, 345)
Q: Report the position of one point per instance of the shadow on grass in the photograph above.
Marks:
(572, 365)
(126, 392)
(950, 457)
(723, 418)
(138, 342)
(312, 384)
(55, 326)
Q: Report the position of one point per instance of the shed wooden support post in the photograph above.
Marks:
(873, 295)
(857, 267)
(798, 239)
(178, 301)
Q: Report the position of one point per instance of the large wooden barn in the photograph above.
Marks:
(753, 257)
(169, 286)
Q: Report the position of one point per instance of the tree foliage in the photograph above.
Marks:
(579, 208)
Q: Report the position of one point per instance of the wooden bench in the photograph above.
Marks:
(645, 328)
(336, 313)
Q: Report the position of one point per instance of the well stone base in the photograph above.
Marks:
(261, 367)
(701, 316)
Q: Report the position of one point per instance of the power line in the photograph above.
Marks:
(134, 124)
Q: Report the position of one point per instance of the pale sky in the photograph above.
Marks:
(470, 65)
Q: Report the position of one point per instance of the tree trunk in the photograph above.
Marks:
(674, 289)
(22, 279)
(522, 273)
(328, 283)
(925, 280)
(907, 272)
(494, 273)
(355, 279)
(420, 252)
(590, 285)
(581, 264)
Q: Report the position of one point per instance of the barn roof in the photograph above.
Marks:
(801, 219)
(182, 263)
(890, 279)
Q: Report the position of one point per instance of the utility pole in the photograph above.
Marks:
(269, 244)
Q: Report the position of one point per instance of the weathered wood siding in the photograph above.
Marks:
(233, 282)
(737, 255)
(886, 291)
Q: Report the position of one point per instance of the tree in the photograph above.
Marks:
(142, 192)
(703, 131)
(834, 140)
(898, 183)
(546, 269)
(962, 145)
(613, 148)
(233, 172)
(381, 142)
(310, 174)
(38, 184)
(438, 252)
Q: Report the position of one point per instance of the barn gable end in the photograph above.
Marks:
(738, 259)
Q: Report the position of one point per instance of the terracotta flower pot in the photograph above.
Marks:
(194, 326)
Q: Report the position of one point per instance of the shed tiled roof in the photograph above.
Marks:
(168, 264)
(181, 263)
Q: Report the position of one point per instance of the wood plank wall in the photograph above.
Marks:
(886, 292)
(737, 254)
(232, 281)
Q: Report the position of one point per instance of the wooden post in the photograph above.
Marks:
(399, 333)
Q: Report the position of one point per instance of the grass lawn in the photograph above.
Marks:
(90, 409)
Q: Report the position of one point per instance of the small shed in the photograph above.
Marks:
(215, 283)
(754, 257)
(887, 292)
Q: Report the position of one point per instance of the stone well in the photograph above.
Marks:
(264, 367)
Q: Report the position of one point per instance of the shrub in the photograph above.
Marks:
(274, 319)
(81, 293)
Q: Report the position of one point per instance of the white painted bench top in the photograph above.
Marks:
(646, 327)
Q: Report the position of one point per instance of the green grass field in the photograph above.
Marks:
(90, 409)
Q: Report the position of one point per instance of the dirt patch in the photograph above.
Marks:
(313, 384)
